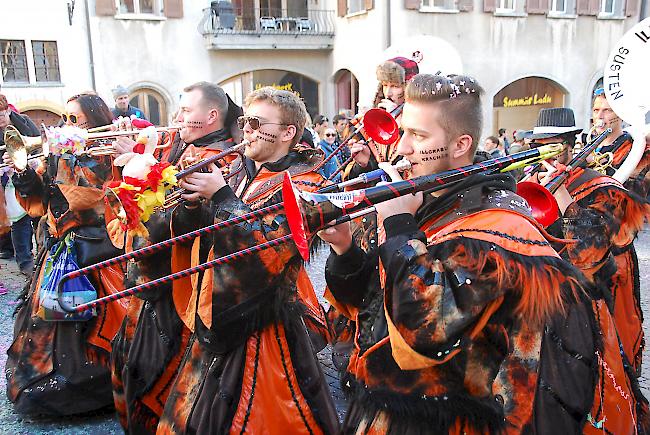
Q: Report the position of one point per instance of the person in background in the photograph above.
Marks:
(340, 122)
(20, 237)
(328, 144)
(504, 140)
(491, 146)
(320, 124)
(122, 106)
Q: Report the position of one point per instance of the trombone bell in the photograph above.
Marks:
(18, 146)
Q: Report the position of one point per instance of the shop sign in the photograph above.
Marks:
(532, 100)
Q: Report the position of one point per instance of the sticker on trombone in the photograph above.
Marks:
(346, 200)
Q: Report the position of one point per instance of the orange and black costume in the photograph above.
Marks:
(62, 368)
(605, 219)
(451, 341)
(250, 365)
(148, 348)
(639, 181)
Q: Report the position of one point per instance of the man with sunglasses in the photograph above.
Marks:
(148, 348)
(250, 354)
(603, 218)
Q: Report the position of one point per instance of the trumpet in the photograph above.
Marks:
(18, 148)
(307, 213)
(175, 197)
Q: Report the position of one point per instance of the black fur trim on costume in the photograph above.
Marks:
(424, 413)
(543, 264)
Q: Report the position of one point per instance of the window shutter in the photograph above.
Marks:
(466, 5)
(173, 8)
(489, 5)
(582, 7)
(412, 4)
(104, 7)
(369, 4)
(342, 8)
(631, 7)
(594, 7)
(537, 6)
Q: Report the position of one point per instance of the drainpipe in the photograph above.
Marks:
(643, 13)
(90, 48)
(388, 24)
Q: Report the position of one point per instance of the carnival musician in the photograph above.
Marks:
(619, 142)
(603, 218)
(148, 349)
(451, 339)
(62, 367)
(250, 354)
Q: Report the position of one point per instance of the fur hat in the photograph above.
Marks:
(397, 70)
(119, 91)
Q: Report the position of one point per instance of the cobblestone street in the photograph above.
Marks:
(106, 423)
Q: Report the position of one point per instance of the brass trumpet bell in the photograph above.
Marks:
(18, 147)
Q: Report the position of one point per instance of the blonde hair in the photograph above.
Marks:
(459, 99)
(292, 109)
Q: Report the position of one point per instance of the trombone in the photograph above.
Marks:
(307, 213)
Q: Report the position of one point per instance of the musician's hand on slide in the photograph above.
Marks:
(123, 145)
(360, 152)
(543, 177)
(339, 237)
(387, 105)
(203, 184)
(563, 198)
(402, 204)
(7, 161)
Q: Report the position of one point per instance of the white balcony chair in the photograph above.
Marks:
(303, 25)
(269, 23)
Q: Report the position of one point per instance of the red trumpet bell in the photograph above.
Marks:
(541, 201)
(381, 126)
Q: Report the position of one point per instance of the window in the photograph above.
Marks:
(437, 5)
(506, 6)
(356, 6)
(46, 61)
(150, 7)
(14, 61)
(611, 9)
(152, 104)
(558, 7)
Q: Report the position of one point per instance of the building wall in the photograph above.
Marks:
(495, 50)
(172, 54)
(29, 20)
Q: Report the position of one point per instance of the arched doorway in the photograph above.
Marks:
(516, 106)
(241, 85)
(152, 104)
(43, 116)
(347, 91)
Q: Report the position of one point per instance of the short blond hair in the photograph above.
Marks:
(292, 109)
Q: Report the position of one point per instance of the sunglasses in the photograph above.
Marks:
(72, 117)
(599, 91)
(254, 122)
(330, 134)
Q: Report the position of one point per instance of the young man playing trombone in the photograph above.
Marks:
(250, 366)
(147, 350)
(467, 280)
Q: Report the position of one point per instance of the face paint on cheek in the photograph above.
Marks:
(266, 137)
(434, 154)
(194, 124)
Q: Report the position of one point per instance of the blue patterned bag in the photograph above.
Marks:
(62, 260)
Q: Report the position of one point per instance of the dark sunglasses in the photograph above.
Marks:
(73, 118)
(254, 122)
(330, 134)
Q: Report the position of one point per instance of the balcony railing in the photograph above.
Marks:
(266, 21)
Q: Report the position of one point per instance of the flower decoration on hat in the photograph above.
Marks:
(145, 181)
